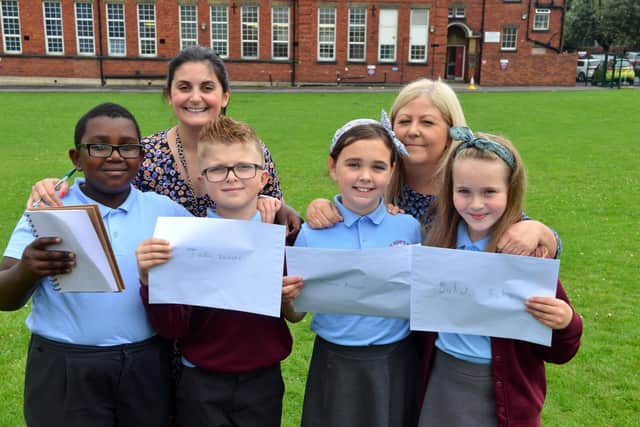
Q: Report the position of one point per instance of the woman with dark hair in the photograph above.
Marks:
(198, 91)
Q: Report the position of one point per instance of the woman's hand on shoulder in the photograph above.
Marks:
(268, 207)
(321, 213)
(528, 237)
(393, 209)
(44, 191)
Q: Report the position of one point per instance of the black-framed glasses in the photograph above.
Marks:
(127, 151)
(241, 171)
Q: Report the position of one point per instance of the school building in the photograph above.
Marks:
(287, 42)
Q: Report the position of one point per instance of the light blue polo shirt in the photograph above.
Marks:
(99, 319)
(376, 230)
(472, 348)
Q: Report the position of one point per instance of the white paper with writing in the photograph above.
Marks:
(220, 263)
(369, 282)
(479, 293)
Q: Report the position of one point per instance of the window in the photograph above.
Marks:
(541, 19)
(10, 27)
(509, 38)
(280, 32)
(459, 12)
(188, 25)
(250, 24)
(116, 43)
(388, 35)
(451, 12)
(147, 29)
(357, 33)
(53, 27)
(418, 35)
(84, 28)
(326, 34)
(220, 30)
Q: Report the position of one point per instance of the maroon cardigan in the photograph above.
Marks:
(519, 380)
(221, 340)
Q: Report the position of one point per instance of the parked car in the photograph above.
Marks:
(634, 59)
(624, 72)
(585, 69)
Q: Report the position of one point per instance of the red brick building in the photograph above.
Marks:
(287, 42)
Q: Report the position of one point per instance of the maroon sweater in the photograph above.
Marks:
(519, 380)
(221, 340)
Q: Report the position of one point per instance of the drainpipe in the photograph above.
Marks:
(100, 56)
(564, 12)
(479, 67)
(294, 47)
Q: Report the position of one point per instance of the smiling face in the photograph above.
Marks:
(235, 198)
(480, 193)
(423, 130)
(107, 179)
(196, 94)
(362, 172)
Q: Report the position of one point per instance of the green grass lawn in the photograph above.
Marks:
(583, 158)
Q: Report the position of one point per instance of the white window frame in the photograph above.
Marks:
(81, 35)
(388, 33)
(541, 19)
(220, 27)
(418, 37)
(326, 34)
(247, 23)
(188, 25)
(450, 12)
(114, 25)
(359, 39)
(147, 44)
(11, 20)
(280, 31)
(459, 12)
(54, 23)
(509, 42)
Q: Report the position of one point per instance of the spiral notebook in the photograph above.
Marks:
(82, 232)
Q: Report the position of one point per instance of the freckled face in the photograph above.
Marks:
(423, 130)
(196, 94)
(480, 193)
(362, 171)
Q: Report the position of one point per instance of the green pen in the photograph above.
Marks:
(57, 185)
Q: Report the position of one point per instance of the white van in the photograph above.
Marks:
(585, 68)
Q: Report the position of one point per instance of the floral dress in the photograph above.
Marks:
(158, 173)
(416, 204)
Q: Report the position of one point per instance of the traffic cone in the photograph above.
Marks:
(472, 85)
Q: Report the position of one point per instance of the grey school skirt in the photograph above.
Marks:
(459, 394)
(369, 386)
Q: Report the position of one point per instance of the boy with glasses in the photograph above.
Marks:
(231, 360)
(93, 359)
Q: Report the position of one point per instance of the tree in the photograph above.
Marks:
(607, 22)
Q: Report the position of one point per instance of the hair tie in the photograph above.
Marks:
(384, 122)
(464, 134)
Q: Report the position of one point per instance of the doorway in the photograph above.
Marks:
(455, 62)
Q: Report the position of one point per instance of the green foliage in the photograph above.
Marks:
(582, 157)
(607, 22)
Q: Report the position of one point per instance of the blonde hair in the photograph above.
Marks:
(443, 230)
(224, 130)
(444, 99)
